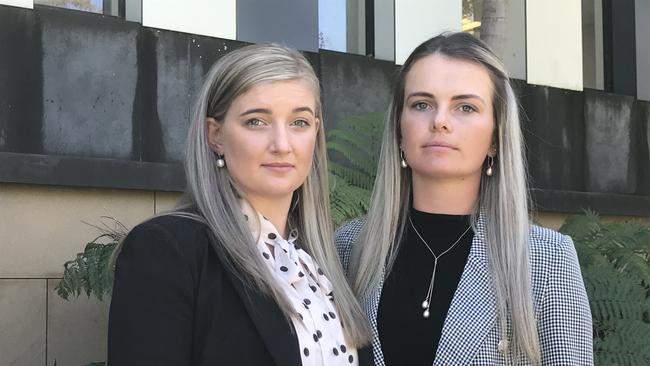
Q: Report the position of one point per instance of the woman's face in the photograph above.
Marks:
(267, 138)
(447, 119)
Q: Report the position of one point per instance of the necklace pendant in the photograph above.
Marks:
(425, 304)
(426, 313)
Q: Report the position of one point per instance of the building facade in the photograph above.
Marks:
(95, 100)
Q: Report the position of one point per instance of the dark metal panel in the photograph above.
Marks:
(619, 46)
(292, 22)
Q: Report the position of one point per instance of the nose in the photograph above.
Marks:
(280, 140)
(441, 121)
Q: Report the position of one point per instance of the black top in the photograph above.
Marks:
(175, 303)
(406, 336)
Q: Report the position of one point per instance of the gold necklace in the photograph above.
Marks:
(427, 301)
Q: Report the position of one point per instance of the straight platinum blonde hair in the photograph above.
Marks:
(212, 197)
(503, 198)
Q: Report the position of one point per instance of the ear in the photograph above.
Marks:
(492, 152)
(215, 138)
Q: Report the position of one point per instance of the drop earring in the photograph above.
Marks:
(220, 162)
(402, 161)
(490, 170)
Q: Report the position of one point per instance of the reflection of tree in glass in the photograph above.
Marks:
(493, 25)
(86, 5)
(487, 20)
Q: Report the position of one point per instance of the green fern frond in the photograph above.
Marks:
(355, 155)
(615, 267)
(352, 176)
(347, 201)
(360, 140)
(580, 227)
(90, 272)
(353, 147)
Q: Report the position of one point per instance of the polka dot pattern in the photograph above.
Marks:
(321, 340)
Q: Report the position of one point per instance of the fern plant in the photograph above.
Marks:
(90, 272)
(353, 148)
(615, 259)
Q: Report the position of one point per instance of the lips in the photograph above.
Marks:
(278, 167)
(440, 145)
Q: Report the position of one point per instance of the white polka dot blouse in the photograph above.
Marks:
(317, 325)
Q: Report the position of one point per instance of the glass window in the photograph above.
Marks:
(502, 25)
(592, 44)
(92, 6)
(332, 30)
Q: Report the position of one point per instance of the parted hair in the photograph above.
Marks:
(503, 197)
(213, 198)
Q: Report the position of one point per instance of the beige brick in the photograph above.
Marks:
(77, 329)
(553, 220)
(166, 201)
(41, 226)
(549, 220)
(22, 322)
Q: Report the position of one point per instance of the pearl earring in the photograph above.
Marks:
(490, 170)
(220, 162)
(402, 162)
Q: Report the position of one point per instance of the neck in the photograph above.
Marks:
(451, 196)
(274, 209)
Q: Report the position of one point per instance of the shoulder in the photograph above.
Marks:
(553, 261)
(345, 237)
(178, 227)
(347, 233)
(547, 243)
(167, 235)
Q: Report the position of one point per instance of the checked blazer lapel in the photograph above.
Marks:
(472, 313)
(370, 305)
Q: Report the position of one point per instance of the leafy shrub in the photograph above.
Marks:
(90, 272)
(353, 147)
(615, 261)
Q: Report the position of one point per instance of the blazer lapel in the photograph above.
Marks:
(370, 305)
(473, 309)
(278, 334)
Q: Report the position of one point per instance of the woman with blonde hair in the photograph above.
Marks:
(244, 271)
(446, 264)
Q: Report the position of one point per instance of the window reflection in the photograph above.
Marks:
(592, 44)
(92, 6)
(502, 25)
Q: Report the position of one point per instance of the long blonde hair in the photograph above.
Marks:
(503, 198)
(212, 197)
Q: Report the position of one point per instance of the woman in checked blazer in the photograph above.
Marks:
(446, 264)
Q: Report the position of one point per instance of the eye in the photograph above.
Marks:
(421, 106)
(255, 122)
(301, 123)
(466, 108)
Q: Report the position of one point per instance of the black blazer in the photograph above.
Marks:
(175, 303)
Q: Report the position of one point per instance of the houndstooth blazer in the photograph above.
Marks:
(471, 335)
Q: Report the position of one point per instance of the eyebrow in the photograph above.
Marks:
(268, 111)
(420, 94)
(467, 96)
(455, 97)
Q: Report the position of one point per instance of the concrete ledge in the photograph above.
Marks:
(90, 172)
(602, 203)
